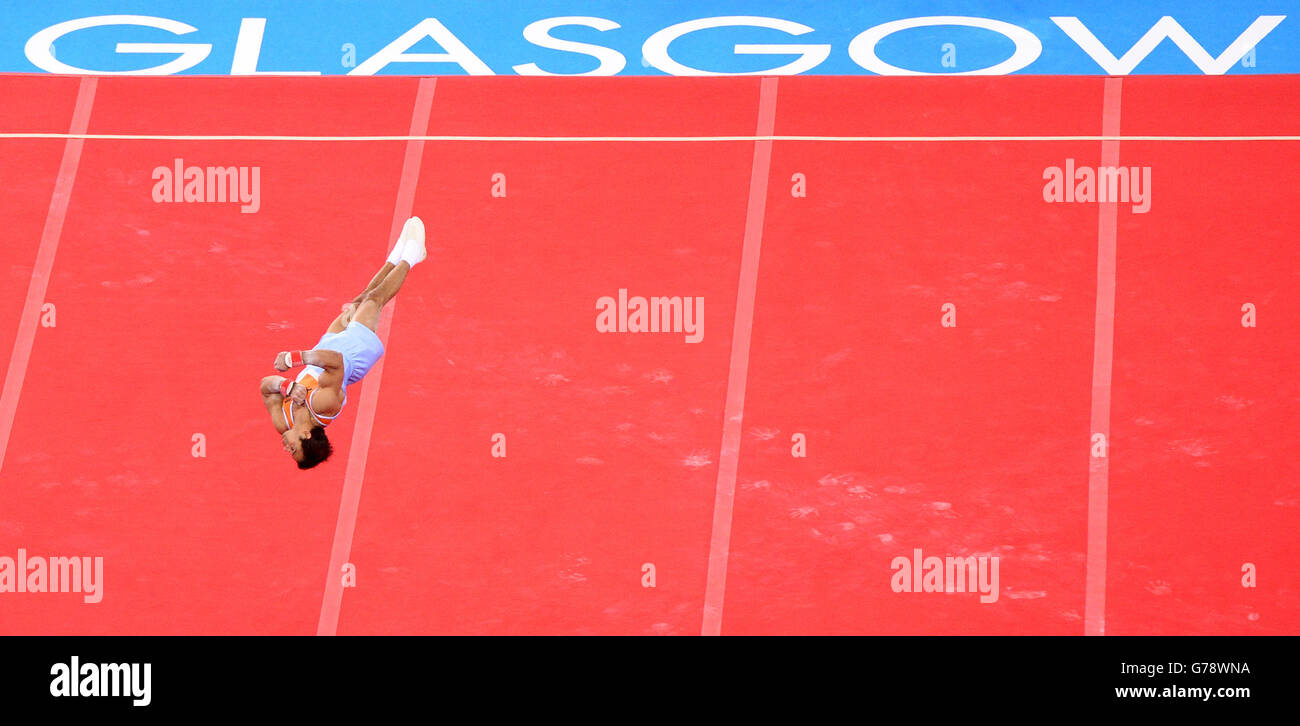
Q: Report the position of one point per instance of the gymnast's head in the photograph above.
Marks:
(308, 447)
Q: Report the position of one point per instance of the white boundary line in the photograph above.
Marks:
(1103, 355)
(724, 498)
(358, 452)
(43, 267)
(656, 139)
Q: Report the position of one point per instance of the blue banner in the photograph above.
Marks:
(604, 37)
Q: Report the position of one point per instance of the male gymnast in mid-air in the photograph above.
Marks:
(303, 406)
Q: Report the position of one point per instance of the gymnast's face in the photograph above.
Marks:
(292, 442)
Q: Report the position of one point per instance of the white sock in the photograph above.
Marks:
(411, 256)
(395, 256)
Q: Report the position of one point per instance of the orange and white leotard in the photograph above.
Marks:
(309, 378)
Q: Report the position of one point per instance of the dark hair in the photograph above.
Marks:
(315, 449)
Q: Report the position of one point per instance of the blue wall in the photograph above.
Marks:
(334, 37)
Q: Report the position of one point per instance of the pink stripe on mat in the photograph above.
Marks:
(729, 459)
(356, 465)
(58, 211)
(1094, 609)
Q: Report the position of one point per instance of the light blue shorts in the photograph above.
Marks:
(360, 348)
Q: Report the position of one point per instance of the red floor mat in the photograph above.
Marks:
(971, 440)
